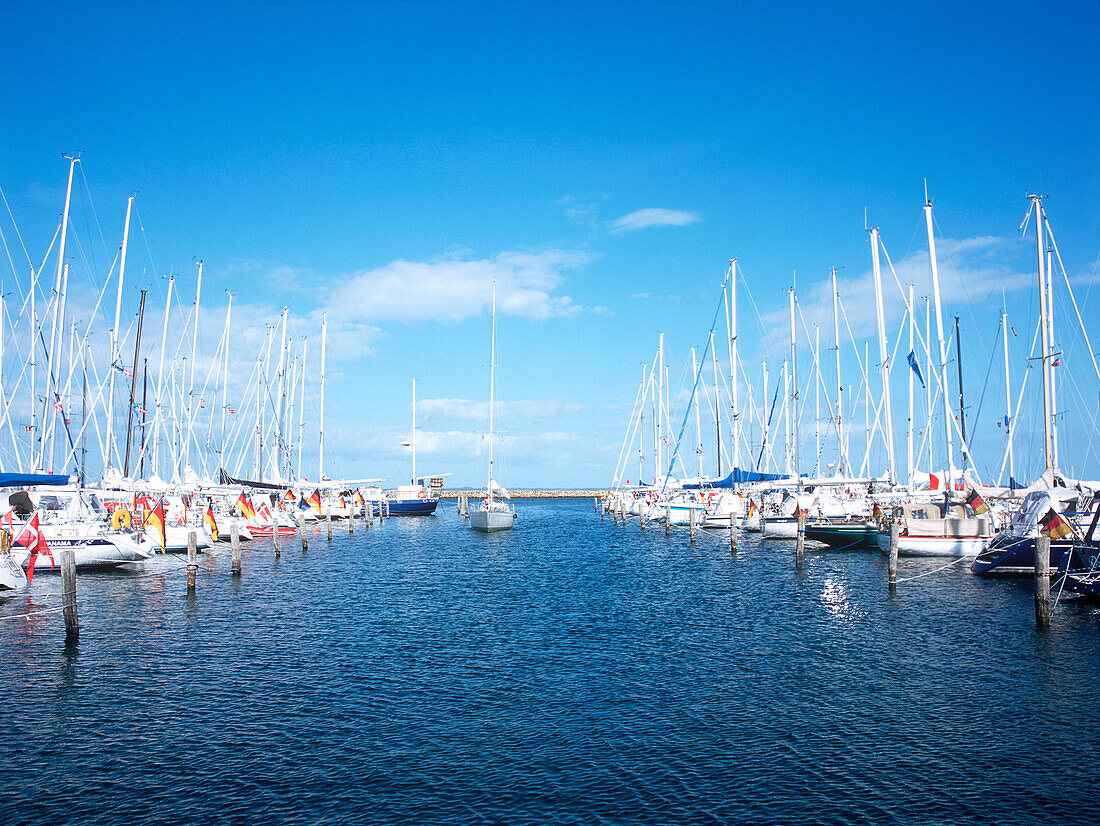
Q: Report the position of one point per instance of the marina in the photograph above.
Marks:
(549, 413)
(412, 672)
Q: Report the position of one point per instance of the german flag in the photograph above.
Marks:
(876, 512)
(314, 501)
(245, 507)
(289, 496)
(208, 520)
(1055, 526)
(752, 508)
(974, 499)
(154, 521)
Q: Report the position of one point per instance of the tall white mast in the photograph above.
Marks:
(947, 417)
(55, 363)
(302, 407)
(1048, 434)
(698, 421)
(817, 399)
(909, 425)
(191, 377)
(931, 371)
(1050, 339)
(1009, 423)
(51, 359)
(883, 354)
(492, 388)
(734, 395)
(280, 408)
(841, 457)
(225, 365)
(114, 334)
(717, 410)
(160, 375)
(793, 430)
(413, 440)
(660, 404)
(790, 468)
(321, 418)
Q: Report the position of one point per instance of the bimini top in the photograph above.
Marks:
(23, 480)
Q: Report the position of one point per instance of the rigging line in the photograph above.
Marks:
(1088, 344)
(145, 238)
(16, 226)
(91, 203)
(694, 387)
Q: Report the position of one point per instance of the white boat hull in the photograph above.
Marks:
(488, 521)
(89, 552)
(958, 547)
(779, 528)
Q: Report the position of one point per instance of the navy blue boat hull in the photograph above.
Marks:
(411, 507)
(1008, 555)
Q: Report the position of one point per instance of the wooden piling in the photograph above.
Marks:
(691, 525)
(595, 504)
(800, 540)
(733, 534)
(192, 560)
(1042, 581)
(892, 564)
(302, 532)
(603, 511)
(235, 542)
(275, 537)
(68, 595)
(668, 521)
(328, 519)
(641, 514)
(351, 525)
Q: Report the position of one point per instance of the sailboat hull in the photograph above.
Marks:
(489, 521)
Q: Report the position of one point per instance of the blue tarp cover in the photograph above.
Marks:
(23, 480)
(737, 476)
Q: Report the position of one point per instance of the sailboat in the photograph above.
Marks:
(413, 499)
(492, 514)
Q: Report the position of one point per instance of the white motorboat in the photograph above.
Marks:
(936, 529)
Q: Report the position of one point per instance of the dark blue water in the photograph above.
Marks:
(566, 672)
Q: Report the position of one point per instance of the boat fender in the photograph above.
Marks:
(121, 519)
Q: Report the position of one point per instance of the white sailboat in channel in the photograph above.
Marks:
(492, 514)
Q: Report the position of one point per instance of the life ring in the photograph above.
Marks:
(423, 494)
(121, 519)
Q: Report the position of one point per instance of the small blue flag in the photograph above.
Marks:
(915, 367)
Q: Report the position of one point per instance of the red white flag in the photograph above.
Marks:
(32, 538)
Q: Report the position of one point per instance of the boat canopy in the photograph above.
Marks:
(22, 480)
(737, 476)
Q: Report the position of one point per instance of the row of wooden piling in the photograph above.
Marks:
(1042, 551)
(68, 560)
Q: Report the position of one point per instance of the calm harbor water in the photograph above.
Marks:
(569, 671)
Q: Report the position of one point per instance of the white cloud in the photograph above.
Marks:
(653, 217)
(453, 289)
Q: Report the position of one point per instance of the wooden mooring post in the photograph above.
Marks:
(302, 532)
(275, 537)
(68, 595)
(892, 564)
(596, 504)
(603, 511)
(691, 525)
(733, 533)
(235, 542)
(668, 521)
(192, 560)
(1042, 581)
(641, 514)
(351, 524)
(800, 540)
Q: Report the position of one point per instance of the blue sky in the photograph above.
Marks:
(383, 161)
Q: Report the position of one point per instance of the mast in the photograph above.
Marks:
(130, 417)
(836, 353)
(413, 440)
(225, 366)
(492, 389)
(787, 420)
(302, 407)
(1050, 334)
(942, 367)
(641, 423)
(144, 409)
(931, 370)
(660, 403)
(717, 409)
(793, 410)
(735, 433)
(160, 376)
(909, 424)
(191, 380)
(321, 418)
(114, 333)
(1048, 435)
(55, 362)
(1008, 400)
(698, 421)
(884, 354)
(280, 408)
(83, 411)
(50, 357)
(817, 399)
(962, 404)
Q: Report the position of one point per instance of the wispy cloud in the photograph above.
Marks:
(653, 217)
(478, 411)
(455, 288)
